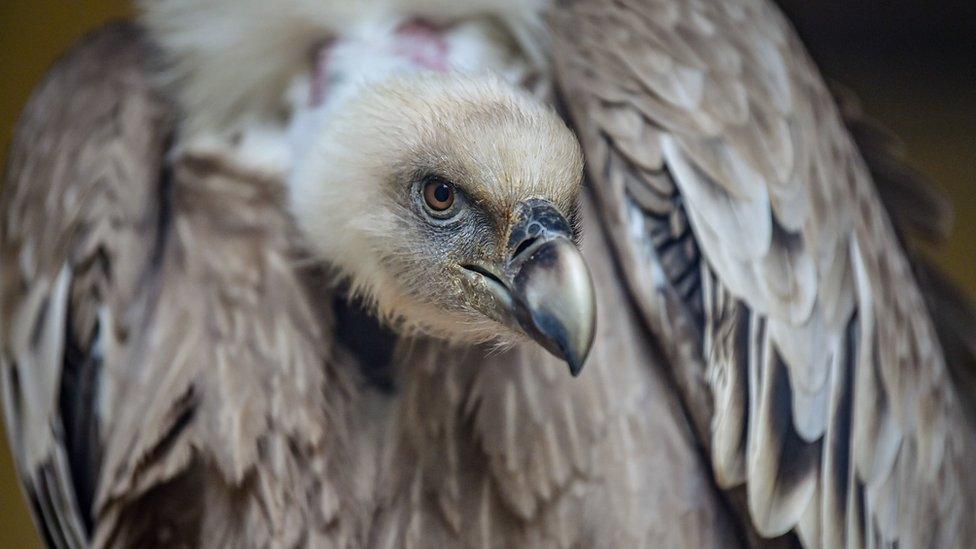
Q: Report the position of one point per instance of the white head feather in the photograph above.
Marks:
(356, 158)
(230, 61)
(351, 193)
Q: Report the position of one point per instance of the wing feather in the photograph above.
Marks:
(163, 370)
(73, 224)
(828, 394)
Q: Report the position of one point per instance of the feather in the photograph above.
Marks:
(789, 222)
(125, 252)
(174, 372)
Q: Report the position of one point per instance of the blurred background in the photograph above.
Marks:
(912, 62)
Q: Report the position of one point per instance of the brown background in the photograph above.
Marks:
(911, 61)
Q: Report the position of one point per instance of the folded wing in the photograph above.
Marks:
(754, 241)
(164, 372)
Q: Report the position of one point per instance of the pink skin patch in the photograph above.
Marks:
(420, 42)
(320, 73)
(423, 44)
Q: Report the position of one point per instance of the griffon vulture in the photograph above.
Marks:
(309, 273)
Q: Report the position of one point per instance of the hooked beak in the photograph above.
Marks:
(544, 289)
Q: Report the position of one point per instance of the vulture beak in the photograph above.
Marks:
(545, 289)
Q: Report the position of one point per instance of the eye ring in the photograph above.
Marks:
(439, 194)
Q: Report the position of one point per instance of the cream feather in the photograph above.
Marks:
(175, 371)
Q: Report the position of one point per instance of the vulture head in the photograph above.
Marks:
(450, 203)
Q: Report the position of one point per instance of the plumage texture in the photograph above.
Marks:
(210, 41)
(502, 142)
(173, 371)
(831, 396)
(178, 282)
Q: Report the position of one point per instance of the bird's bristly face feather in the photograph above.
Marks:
(449, 202)
(446, 200)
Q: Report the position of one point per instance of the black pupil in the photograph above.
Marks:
(442, 193)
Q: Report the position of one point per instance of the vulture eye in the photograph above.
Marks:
(439, 194)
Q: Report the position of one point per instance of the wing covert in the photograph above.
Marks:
(825, 386)
(164, 369)
(77, 237)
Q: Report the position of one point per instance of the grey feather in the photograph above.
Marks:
(839, 326)
(165, 281)
(765, 363)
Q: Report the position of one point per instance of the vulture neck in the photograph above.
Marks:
(236, 62)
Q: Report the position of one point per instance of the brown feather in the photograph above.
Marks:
(179, 287)
(845, 337)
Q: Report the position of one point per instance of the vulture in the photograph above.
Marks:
(311, 273)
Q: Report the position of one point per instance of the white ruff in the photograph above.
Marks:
(249, 76)
(231, 61)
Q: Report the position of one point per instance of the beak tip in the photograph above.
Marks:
(575, 366)
(576, 355)
(554, 337)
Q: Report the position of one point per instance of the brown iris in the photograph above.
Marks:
(439, 195)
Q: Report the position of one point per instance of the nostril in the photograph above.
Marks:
(524, 245)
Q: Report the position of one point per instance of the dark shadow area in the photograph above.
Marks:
(913, 64)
